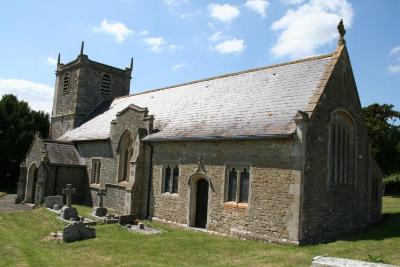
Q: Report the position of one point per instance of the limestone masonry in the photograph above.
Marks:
(279, 153)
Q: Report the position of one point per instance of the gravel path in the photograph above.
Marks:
(7, 204)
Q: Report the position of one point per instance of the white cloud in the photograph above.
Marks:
(309, 26)
(394, 69)
(51, 61)
(215, 37)
(230, 46)
(259, 6)
(175, 3)
(39, 96)
(190, 15)
(395, 51)
(144, 33)
(179, 66)
(118, 29)
(225, 13)
(156, 43)
(292, 2)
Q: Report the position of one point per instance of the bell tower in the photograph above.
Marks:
(83, 85)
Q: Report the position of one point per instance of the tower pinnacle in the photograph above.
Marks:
(82, 46)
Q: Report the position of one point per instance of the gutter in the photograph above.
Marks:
(149, 139)
(150, 181)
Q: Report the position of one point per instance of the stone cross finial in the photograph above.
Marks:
(68, 193)
(101, 193)
(200, 162)
(342, 32)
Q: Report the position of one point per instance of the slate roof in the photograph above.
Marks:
(255, 103)
(63, 153)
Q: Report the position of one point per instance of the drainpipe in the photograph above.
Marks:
(150, 181)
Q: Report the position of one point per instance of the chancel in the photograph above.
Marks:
(278, 153)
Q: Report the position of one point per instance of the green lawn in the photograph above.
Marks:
(23, 242)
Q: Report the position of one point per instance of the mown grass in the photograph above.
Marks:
(24, 242)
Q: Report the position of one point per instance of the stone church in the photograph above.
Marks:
(278, 153)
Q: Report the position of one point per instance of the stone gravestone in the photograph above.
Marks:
(51, 201)
(78, 231)
(68, 212)
(126, 219)
(100, 211)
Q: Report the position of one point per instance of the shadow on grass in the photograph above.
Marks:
(388, 227)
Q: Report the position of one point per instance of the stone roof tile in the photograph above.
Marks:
(258, 102)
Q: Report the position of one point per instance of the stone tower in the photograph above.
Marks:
(82, 86)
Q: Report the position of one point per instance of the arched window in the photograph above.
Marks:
(105, 84)
(342, 149)
(124, 156)
(66, 83)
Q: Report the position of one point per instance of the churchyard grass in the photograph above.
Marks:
(24, 242)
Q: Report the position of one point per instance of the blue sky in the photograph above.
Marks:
(173, 41)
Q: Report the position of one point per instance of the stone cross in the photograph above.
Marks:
(101, 193)
(68, 193)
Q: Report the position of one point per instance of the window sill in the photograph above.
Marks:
(170, 194)
(94, 186)
(123, 183)
(235, 205)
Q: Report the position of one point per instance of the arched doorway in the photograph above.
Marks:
(32, 182)
(201, 203)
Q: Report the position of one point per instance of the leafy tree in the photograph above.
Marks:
(384, 130)
(18, 125)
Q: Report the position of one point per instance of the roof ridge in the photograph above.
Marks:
(230, 74)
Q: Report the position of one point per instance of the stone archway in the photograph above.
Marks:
(199, 199)
(31, 184)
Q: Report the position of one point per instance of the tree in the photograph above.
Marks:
(384, 130)
(18, 125)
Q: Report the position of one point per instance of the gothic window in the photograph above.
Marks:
(238, 184)
(342, 149)
(66, 83)
(124, 157)
(244, 186)
(105, 84)
(167, 180)
(95, 176)
(175, 177)
(171, 179)
(232, 184)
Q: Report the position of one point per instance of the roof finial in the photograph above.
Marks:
(82, 45)
(58, 59)
(342, 32)
(131, 66)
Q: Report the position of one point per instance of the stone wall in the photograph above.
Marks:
(84, 91)
(268, 214)
(331, 210)
(61, 124)
(127, 196)
(90, 78)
